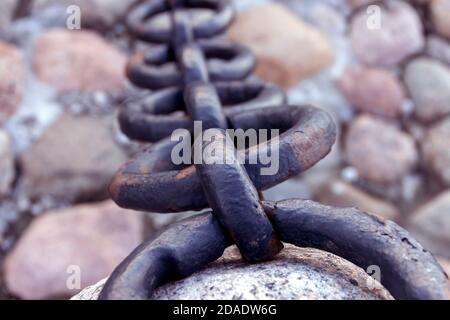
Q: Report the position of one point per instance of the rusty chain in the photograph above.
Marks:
(198, 76)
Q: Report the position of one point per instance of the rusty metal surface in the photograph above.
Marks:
(156, 69)
(159, 114)
(174, 253)
(150, 183)
(185, 70)
(235, 201)
(408, 271)
(138, 20)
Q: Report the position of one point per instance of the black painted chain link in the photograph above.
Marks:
(199, 77)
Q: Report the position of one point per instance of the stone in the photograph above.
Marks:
(439, 49)
(74, 159)
(12, 81)
(295, 274)
(85, 240)
(436, 150)
(6, 164)
(430, 224)
(379, 151)
(287, 49)
(341, 194)
(440, 16)
(428, 82)
(78, 60)
(445, 263)
(399, 35)
(292, 188)
(372, 90)
(328, 19)
(99, 14)
(359, 3)
(7, 8)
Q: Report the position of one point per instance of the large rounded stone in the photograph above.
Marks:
(78, 60)
(378, 150)
(436, 150)
(428, 82)
(296, 273)
(65, 250)
(398, 36)
(287, 49)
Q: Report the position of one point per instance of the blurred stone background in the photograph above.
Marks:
(387, 87)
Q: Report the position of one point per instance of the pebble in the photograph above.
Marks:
(372, 90)
(74, 159)
(378, 150)
(428, 82)
(283, 57)
(67, 249)
(78, 60)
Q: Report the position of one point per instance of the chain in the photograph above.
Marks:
(196, 76)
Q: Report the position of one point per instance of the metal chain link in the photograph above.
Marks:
(199, 77)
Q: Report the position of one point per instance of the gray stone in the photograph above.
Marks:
(6, 11)
(359, 3)
(436, 150)
(445, 263)
(296, 273)
(399, 36)
(372, 90)
(73, 160)
(379, 151)
(341, 194)
(428, 82)
(430, 225)
(292, 188)
(438, 48)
